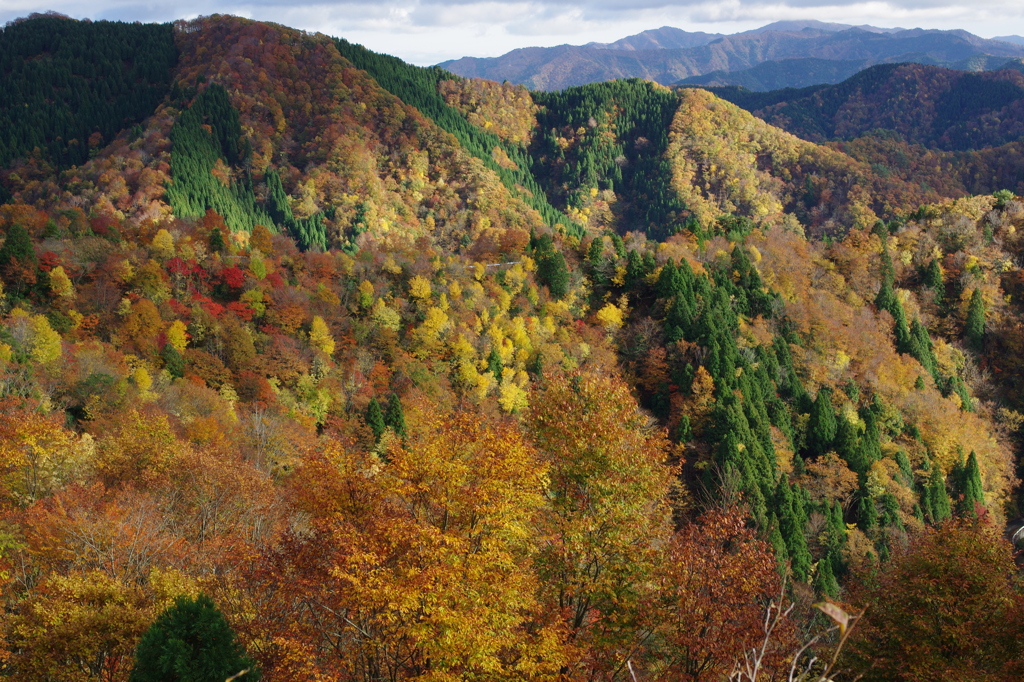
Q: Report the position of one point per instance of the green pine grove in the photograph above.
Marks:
(64, 81)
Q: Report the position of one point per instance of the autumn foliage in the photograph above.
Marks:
(406, 424)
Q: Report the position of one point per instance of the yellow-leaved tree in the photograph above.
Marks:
(609, 486)
(415, 566)
(320, 336)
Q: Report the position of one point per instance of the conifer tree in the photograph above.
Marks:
(778, 543)
(960, 388)
(551, 268)
(938, 497)
(494, 364)
(906, 471)
(375, 419)
(191, 642)
(825, 582)
(847, 444)
(18, 262)
(17, 246)
(969, 488)
(871, 442)
(791, 523)
(394, 417)
(835, 536)
(974, 328)
(868, 512)
(822, 427)
(890, 517)
(174, 363)
(216, 241)
(595, 254)
(921, 346)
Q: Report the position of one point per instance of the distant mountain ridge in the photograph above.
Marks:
(669, 55)
(664, 38)
(784, 73)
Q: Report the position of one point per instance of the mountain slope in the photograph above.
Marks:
(786, 73)
(943, 108)
(725, 161)
(50, 65)
(953, 131)
(351, 158)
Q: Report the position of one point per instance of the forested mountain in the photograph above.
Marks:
(70, 87)
(956, 131)
(346, 369)
(952, 110)
(555, 68)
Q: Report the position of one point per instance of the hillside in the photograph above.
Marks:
(956, 131)
(564, 66)
(420, 377)
(952, 110)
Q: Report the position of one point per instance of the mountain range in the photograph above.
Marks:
(669, 56)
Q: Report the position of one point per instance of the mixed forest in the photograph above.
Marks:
(316, 365)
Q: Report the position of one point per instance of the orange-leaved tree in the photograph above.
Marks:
(716, 582)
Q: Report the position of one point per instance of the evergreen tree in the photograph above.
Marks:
(791, 524)
(906, 471)
(848, 445)
(888, 300)
(394, 417)
(970, 492)
(494, 364)
(974, 328)
(938, 497)
(191, 642)
(217, 244)
(921, 346)
(868, 512)
(551, 268)
(375, 419)
(934, 280)
(871, 442)
(890, 517)
(174, 363)
(825, 582)
(835, 537)
(779, 544)
(17, 248)
(18, 262)
(960, 388)
(620, 246)
(595, 254)
(821, 430)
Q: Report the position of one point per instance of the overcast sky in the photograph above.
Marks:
(430, 31)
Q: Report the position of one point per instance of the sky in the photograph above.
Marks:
(430, 31)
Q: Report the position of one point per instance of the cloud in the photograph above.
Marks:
(429, 31)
